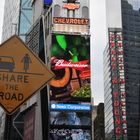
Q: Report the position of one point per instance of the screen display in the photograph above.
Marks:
(70, 134)
(70, 118)
(73, 125)
(70, 61)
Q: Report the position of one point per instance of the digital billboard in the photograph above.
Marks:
(70, 118)
(70, 61)
(67, 125)
(70, 134)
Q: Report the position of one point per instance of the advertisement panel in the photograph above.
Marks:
(79, 118)
(70, 134)
(70, 125)
(70, 61)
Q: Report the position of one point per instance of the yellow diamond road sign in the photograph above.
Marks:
(22, 74)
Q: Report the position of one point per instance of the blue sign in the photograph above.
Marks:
(77, 107)
(48, 2)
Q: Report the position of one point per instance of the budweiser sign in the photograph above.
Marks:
(81, 65)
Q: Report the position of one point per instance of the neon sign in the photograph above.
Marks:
(118, 81)
(60, 64)
(76, 21)
(71, 6)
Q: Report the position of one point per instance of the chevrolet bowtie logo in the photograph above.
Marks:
(71, 6)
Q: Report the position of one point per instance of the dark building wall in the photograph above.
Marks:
(99, 133)
(131, 39)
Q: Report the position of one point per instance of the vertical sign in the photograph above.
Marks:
(118, 82)
(70, 61)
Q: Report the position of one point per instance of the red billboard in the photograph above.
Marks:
(70, 61)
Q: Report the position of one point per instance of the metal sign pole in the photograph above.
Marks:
(8, 124)
(17, 122)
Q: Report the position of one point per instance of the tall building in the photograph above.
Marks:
(11, 18)
(122, 70)
(17, 20)
(60, 34)
(60, 37)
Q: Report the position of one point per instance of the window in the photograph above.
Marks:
(56, 11)
(85, 12)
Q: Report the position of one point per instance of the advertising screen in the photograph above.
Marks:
(70, 134)
(70, 61)
(70, 118)
(70, 125)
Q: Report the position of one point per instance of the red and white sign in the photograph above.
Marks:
(71, 6)
(60, 64)
(118, 81)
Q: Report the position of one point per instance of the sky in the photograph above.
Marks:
(98, 43)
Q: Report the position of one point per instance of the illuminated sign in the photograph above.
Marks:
(70, 29)
(76, 21)
(70, 134)
(71, 6)
(74, 118)
(70, 61)
(60, 64)
(22, 74)
(80, 107)
(118, 81)
(72, 125)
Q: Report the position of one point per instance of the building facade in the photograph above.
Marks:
(11, 19)
(60, 32)
(17, 20)
(121, 70)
